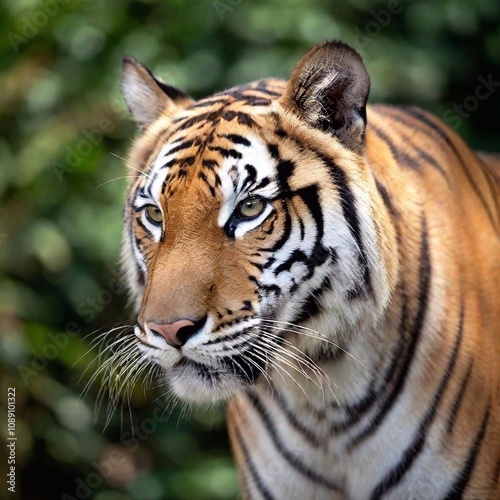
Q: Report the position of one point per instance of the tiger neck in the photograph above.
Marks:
(341, 379)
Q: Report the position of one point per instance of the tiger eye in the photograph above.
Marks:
(154, 215)
(251, 208)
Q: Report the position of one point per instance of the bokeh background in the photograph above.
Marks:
(63, 130)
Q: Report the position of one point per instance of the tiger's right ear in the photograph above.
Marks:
(328, 89)
(148, 97)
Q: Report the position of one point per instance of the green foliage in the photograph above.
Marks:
(64, 128)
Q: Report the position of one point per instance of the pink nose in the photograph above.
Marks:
(169, 331)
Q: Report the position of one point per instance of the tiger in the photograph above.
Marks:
(328, 269)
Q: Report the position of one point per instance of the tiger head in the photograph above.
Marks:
(252, 216)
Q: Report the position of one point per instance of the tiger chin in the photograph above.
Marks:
(331, 269)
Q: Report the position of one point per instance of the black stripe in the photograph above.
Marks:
(297, 256)
(141, 279)
(420, 152)
(280, 132)
(273, 151)
(318, 257)
(247, 306)
(310, 306)
(180, 147)
(285, 170)
(458, 400)
(413, 338)
(263, 490)
(348, 205)
(224, 338)
(310, 197)
(242, 118)
(263, 183)
(262, 87)
(386, 198)
(271, 222)
(187, 122)
(419, 115)
(226, 153)
(394, 476)
(210, 164)
(246, 96)
(150, 184)
(271, 289)
(170, 163)
(187, 161)
(429, 159)
(400, 156)
(244, 364)
(463, 478)
(286, 232)
(298, 219)
(293, 459)
(203, 177)
(355, 411)
(250, 178)
(141, 224)
(237, 139)
(294, 422)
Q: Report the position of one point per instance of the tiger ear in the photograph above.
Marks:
(148, 97)
(329, 89)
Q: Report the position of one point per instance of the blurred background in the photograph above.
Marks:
(64, 127)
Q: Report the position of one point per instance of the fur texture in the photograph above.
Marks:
(353, 324)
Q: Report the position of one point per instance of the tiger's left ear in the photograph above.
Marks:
(148, 97)
(329, 89)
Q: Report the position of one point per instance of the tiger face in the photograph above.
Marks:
(250, 210)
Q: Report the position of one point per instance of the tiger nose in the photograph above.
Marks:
(178, 332)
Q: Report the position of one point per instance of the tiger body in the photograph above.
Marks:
(353, 324)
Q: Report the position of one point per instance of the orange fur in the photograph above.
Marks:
(429, 207)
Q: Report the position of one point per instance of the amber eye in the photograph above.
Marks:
(251, 208)
(153, 214)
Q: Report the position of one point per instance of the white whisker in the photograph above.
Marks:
(313, 334)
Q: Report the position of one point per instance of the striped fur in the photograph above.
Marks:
(353, 326)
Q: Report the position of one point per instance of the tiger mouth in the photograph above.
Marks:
(233, 366)
(200, 382)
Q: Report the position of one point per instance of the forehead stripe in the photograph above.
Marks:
(211, 164)
(237, 139)
(226, 153)
(180, 147)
